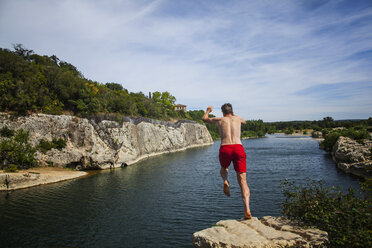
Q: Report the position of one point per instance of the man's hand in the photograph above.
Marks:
(206, 116)
(209, 109)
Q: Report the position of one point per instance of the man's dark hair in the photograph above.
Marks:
(227, 108)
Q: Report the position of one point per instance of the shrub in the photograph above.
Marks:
(261, 133)
(331, 137)
(11, 168)
(6, 132)
(249, 134)
(17, 151)
(289, 130)
(346, 217)
(329, 140)
(271, 131)
(45, 145)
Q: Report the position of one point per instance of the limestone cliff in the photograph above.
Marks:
(101, 144)
(267, 232)
(353, 157)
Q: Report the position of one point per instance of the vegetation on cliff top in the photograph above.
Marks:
(33, 83)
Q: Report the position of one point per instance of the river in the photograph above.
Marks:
(161, 201)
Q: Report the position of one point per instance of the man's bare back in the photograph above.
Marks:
(229, 126)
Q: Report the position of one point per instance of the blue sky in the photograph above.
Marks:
(273, 60)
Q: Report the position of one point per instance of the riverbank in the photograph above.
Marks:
(36, 176)
(45, 175)
(307, 135)
(252, 137)
(300, 133)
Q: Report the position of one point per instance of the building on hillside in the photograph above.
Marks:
(180, 107)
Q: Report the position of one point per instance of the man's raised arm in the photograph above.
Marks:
(242, 120)
(206, 116)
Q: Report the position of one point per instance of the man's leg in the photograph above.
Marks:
(242, 180)
(226, 187)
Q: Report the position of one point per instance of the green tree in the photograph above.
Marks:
(20, 50)
(114, 86)
(16, 152)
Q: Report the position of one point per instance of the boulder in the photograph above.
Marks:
(267, 232)
(353, 157)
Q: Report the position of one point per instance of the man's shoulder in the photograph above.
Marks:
(237, 117)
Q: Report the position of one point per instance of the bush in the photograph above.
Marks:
(329, 140)
(6, 132)
(45, 145)
(346, 217)
(289, 130)
(246, 134)
(11, 168)
(331, 137)
(17, 151)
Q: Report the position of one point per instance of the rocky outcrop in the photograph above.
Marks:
(100, 144)
(36, 176)
(267, 232)
(353, 157)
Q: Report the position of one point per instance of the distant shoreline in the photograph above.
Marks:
(253, 137)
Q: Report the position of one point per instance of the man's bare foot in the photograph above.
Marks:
(248, 216)
(226, 188)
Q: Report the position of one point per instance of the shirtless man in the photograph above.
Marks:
(231, 150)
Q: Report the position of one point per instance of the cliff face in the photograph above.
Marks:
(353, 157)
(101, 144)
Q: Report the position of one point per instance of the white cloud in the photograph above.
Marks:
(255, 54)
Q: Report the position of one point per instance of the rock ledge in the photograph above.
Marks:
(353, 157)
(267, 232)
(36, 176)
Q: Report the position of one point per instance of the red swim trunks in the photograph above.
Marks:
(234, 153)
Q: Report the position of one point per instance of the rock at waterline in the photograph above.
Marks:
(36, 176)
(267, 232)
(353, 157)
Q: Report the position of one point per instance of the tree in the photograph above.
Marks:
(114, 86)
(328, 122)
(167, 99)
(22, 51)
(30, 82)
